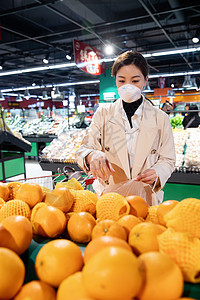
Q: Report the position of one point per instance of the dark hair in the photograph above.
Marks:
(128, 58)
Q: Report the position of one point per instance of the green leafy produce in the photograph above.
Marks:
(176, 121)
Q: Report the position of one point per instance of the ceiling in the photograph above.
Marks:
(31, 29)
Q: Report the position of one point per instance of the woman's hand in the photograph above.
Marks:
(149, 176)
(99, 165)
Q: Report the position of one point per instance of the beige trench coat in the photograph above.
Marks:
(154, 149)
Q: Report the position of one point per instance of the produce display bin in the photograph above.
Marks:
(29, 256)
(12, 161)
(38, 142)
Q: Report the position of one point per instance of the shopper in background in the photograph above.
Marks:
(192, 119)
(129, 145)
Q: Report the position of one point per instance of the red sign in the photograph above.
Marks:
(87, 58)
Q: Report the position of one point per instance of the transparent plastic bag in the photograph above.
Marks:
(127, 188)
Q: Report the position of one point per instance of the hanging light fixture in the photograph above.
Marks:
(147, 88)
(57, 92)
(46, 59)
(19, 98)
(194, 84)
(2, 98)
(170, 94)
(44, 95)
(187, 82)
(27, 94)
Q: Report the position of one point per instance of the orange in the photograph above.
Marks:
(112, 274)
(31, 193)
(84, 201)
(70, 184)
(4, 191)
(60, 198)
(80, 227)
(45, 190)
(164, 208)
(2, 202)
(101, 242)
(184, 217)
(184, 249)
(128, 222)
(36, 290)
(186, 298)
(12, 273)
(111, 206)
(56, 260)
(47, 221)
(15, 207)
(138, 206)
(152, 214)
(162, 277)
(72, 288)
(143, 237)
(19, 231)
(110, 228)
(13, 187)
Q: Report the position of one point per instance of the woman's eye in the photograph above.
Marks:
(135, 81)
(121, 80)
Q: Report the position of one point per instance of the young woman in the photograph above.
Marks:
(129, 145)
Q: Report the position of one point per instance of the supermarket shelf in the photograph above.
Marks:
(185, 175)
(40, 138)
(10, 142)
(54, 166)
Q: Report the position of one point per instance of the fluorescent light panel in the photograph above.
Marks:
(72, 64)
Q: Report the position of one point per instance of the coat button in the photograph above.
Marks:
(107, 148)
(153, 151)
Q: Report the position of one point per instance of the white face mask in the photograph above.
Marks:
(129, 93)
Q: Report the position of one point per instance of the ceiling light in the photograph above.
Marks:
(171, 52)
(19, 98)
(2, 98)
(172, 85)
(109, 49)
(1, 67)
(46, 59)
(27, 94)
(193, 84)
(147, 88)
(33, 84)
(68, 57)
(195, 40)
(44, 95)
(57, 92)
(187, 82)
(170, 94)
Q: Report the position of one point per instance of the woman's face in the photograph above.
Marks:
(130, 74)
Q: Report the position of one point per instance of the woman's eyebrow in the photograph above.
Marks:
(131, 77)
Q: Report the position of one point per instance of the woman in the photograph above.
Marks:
(129, 145)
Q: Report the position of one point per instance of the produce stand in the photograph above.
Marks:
(12, 154)
(183, 183)
(38, 142)
(29, 256)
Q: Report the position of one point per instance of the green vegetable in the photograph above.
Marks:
(176, 121)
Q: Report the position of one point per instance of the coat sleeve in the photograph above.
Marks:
(92, 140)
(167, 156)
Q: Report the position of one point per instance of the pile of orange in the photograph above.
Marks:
(133, 250)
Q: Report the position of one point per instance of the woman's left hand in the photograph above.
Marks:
(148, 176)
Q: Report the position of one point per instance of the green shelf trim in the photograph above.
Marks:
(173, 191)
(33, 151)
(14, 167)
